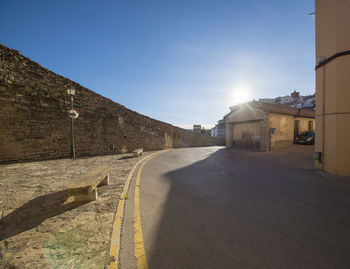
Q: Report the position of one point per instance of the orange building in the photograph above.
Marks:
(332, 146)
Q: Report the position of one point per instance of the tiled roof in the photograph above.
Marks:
(284, 109)
(277, 108)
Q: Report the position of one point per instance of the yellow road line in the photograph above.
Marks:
(140, 252)
(116, 230)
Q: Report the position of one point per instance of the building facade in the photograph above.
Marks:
(293, 100)
(260, 126)
(212, 132)
(197, 128)
(308, 102)
(220, 129)
(332, 86)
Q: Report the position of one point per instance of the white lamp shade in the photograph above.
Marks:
(71, 91)
(73, 114)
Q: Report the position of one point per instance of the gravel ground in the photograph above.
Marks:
(39, 229)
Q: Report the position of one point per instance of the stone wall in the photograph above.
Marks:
(34, 123)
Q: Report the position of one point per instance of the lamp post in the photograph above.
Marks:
(73, 115)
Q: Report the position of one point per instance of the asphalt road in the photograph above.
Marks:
(216, 208)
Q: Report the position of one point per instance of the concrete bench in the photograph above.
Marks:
(85, 188)
(137, 152)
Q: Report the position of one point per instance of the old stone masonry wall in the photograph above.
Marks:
(34, 123)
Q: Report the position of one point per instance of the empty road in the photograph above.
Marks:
(217, 208)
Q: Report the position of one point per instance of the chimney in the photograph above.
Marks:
(295, 95)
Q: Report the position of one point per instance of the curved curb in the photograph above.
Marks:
(116, 229)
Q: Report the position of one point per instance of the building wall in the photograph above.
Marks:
(34, 123)
(242, 118)
(220, 131)
(246, 135)
(284, 130)
(304, 124)
(229, 135)
(251, 128)
(212, 132)
(264, 134)
(197, 128)
(332, 86)
(258, 123)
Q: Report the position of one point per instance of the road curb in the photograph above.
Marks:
(116, 228)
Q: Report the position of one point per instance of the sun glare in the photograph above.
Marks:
(240, 95)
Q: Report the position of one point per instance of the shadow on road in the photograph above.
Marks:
(34, 212)
(241, 210)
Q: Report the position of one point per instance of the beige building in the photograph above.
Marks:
(261, 127)
(333, 86)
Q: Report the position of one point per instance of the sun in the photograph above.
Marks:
(240, 95)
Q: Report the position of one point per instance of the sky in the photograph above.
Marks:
(183, 62)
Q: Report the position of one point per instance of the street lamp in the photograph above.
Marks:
(73, 115)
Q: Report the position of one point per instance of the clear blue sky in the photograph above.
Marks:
(180, 61)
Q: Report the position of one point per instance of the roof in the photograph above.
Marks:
(304, 99)
(277, 108)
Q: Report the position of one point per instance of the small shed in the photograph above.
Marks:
(260, 126)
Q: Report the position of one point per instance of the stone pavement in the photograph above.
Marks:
(39, 230)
